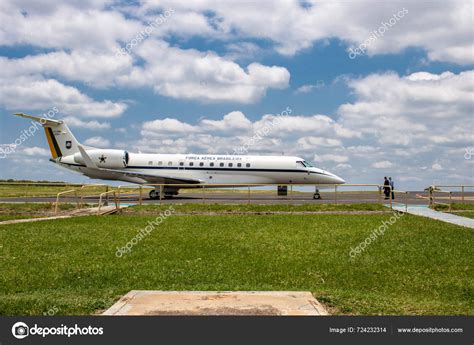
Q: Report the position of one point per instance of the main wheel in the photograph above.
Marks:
(153, 194)
(317, 196)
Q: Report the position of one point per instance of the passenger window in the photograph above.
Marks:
(230, 164)
(222, 164)
(239, 165)
(170, 163)
(160, 163)
(211, 164)
(201, 164)
(150, 162)
(247, 165)
(181, 164)
(191, 164)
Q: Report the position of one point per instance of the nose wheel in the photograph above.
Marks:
(316, 195)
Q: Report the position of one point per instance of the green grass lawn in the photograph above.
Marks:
(419, 266)
(463, 210)
(454, 207)
(45, 190)
(9, 211)
(21, 190)
(242, 208)
(4, 217)
(469, 214)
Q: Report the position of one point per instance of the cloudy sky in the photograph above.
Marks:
(371, 88)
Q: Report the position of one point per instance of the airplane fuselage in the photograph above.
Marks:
(210, 169)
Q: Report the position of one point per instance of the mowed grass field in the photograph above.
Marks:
(9, 211)
(459, 209)
(253, 208)
(33, 189)
(419, 267)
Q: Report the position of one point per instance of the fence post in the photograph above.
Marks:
(116, 202)
(431, 194)
(335, 194)
(107, 195)
(406, 201)
(380, 194)
(118, 193)
(450, 201)
(291, 194)
(203, 194)
(390, 197)
(56, 206)
(140, 198)
(161, 193)
(462, 195)
(248, 196)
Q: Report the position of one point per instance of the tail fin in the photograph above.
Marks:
(61, 141)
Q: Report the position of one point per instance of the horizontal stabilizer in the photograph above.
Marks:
(42, 120)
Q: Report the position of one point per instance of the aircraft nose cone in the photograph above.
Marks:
(337, 180)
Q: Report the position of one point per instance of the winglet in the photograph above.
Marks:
(42, 120)
(87, 160)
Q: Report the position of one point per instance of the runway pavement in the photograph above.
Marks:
(413, 198)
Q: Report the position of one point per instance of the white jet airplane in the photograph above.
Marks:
(194, 170)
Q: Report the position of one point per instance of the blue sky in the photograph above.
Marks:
(205, 77)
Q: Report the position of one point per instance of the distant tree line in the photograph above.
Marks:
(30, 181)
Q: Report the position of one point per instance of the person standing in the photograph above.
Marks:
(386, 188)
(392, 187)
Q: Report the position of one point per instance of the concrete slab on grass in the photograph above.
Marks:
(138, 302)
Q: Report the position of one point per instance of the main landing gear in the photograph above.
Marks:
(154, 194)
(167, 193)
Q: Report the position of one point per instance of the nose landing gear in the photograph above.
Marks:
(316, 195)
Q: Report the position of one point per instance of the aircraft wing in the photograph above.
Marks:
(157, 179)
(154, 179)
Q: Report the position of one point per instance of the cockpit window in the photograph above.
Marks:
(299, 164)
(303, 164)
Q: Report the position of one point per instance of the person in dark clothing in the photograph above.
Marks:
(390, 181)
(386, 188)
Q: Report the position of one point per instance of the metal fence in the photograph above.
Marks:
(243, 193)
(292, 197)
(436, 189)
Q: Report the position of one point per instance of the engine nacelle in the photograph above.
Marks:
(110, 159)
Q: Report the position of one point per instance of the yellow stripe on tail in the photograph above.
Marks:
(50, 142)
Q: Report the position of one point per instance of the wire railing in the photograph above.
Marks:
(462, 187)
(117, 203)
(56, 205)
